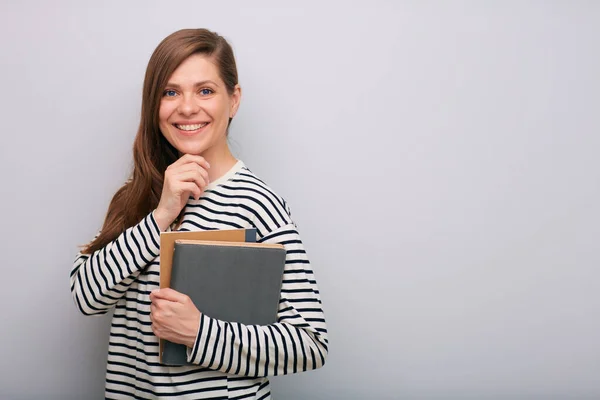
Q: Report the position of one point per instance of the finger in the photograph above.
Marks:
(193, 176)
(196, 159)
(182, 173)
(189, 166)
(153, 300)
(185, 159)
(204, 174)
(192, 187)
(186, 184)
(170, 295)
(155, 330)
(195, 168)
(195, 186)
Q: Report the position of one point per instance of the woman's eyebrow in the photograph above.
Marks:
(197, 84)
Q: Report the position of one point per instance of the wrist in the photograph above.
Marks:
(195, 331)
(162, 220)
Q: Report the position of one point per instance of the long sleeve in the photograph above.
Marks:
(296, 342)
(100, 279)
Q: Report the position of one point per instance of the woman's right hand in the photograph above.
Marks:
(186, 176)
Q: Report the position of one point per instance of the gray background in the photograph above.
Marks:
(440, 158)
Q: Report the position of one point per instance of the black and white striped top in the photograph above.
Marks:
(232, 360)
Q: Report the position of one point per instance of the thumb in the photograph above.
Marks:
(168, 294)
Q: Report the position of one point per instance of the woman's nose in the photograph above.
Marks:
(188, 105)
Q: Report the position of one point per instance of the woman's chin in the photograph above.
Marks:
(192, 150)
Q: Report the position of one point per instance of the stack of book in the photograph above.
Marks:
(226, 274)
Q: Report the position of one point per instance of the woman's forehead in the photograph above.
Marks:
(194, 69)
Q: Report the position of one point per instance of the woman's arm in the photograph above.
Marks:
(297, 342)
(100, 279)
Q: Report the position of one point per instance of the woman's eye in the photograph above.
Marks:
(206, 92)
(169, 93)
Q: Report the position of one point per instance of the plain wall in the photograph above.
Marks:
(441, 159)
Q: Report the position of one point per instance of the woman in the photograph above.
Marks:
(186, 178)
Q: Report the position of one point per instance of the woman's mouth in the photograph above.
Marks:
(190, 129)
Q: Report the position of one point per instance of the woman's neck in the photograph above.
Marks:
(221, 160)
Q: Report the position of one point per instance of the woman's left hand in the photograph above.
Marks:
(174, 316)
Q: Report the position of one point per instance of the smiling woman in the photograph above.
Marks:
(196, 109)
(185, 178)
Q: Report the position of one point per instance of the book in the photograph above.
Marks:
(167, 244)
(229, 281)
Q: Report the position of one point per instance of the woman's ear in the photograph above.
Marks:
(236, 97)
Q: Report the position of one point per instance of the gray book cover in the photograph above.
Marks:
(235, 282)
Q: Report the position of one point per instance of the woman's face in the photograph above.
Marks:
(195, 108)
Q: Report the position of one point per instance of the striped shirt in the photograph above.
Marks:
(231, 360)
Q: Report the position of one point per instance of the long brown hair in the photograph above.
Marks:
(152, 153)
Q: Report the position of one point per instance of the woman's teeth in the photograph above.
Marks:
(190, 127)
